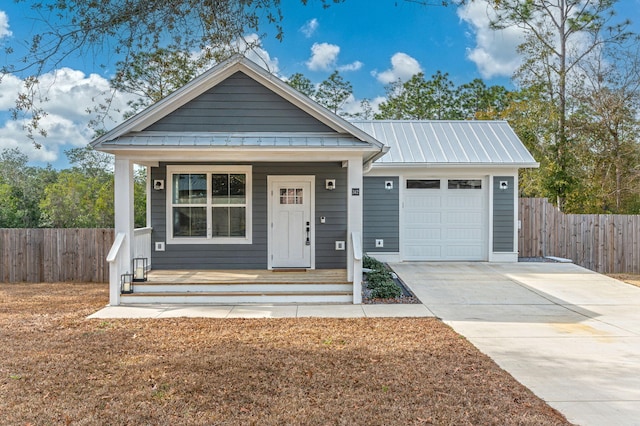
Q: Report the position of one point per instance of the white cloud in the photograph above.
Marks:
(251, 47)
(354, 66)
(69, 93)
(495, 53)
(4, 25)
(309, 28)
(9, 88)
(403, 67)
(323, 57)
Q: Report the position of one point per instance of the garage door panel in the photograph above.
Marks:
(468, 201)
(463, 218)
(464, 234)
(421, 234)
(430, 202)
(416, 252)
(425, 218)
(462, 252)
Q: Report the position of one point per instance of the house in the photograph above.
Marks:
(247, 174)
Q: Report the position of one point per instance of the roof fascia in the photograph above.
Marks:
(456, 165)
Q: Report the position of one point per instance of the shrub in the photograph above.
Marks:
(380, 281)
(371, 263)
(386, 290)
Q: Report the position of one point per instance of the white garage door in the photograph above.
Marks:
(445, 219)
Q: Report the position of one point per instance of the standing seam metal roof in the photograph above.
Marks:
(448, 142)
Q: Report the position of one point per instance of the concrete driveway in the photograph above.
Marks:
(570, 335)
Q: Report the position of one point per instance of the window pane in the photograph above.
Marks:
(189, 188)
(229, 221)
(237, 223)
(237, 189)
(423, 183)
(220, 188)
(220, 222)
(465, 184)
(189, 222)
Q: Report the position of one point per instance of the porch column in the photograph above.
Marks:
(124, 223)
(354, 224)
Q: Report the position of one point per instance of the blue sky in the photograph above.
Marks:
(371, 42)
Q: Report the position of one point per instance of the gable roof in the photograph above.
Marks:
(431, 142)
(131, 133)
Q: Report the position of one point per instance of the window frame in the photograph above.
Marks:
(209, 204)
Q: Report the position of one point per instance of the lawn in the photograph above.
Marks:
(633, 279)
(56, 367)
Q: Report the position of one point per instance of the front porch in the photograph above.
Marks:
(227, 287)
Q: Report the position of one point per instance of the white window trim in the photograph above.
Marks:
(171, 170)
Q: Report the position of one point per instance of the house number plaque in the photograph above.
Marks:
(355, 191)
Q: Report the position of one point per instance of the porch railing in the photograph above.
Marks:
(142, 243)
(118, 265)
(356, 243)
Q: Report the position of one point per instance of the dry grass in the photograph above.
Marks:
(56, 367)
(633, 279)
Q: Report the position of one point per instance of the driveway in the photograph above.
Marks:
(570, 335)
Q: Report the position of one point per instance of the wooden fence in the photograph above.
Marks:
(606, 243)
(54, 255)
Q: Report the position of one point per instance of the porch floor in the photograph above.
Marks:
(285, 276)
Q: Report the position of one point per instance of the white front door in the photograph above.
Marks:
(291, 228)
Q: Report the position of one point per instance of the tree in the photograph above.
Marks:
(560, 35)
(333, 92)
(78, 201)
(475, 100)
(129, 28)
(302, 84)
(21, 188)
(151, 76)
(606, 120)
(439, 99)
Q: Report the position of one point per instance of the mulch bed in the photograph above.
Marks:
(56, 367)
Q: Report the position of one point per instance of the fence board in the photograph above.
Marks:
(54, 255)
(603, 243)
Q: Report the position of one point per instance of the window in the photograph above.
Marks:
(291, 196)
(423, 183)
(465, 184)
(209, 204)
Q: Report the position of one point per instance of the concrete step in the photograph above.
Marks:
(155, 287)
(232, 298)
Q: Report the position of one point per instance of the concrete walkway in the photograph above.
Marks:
(263, 311)
(570, 335)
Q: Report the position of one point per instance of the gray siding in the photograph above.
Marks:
(503, 214)
(381, 215)
(331, 204)
(239, 104)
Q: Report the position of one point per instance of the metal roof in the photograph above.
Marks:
(202, 139)
(448, 142)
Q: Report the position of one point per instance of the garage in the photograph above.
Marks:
(445, 191)
(445, 219)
